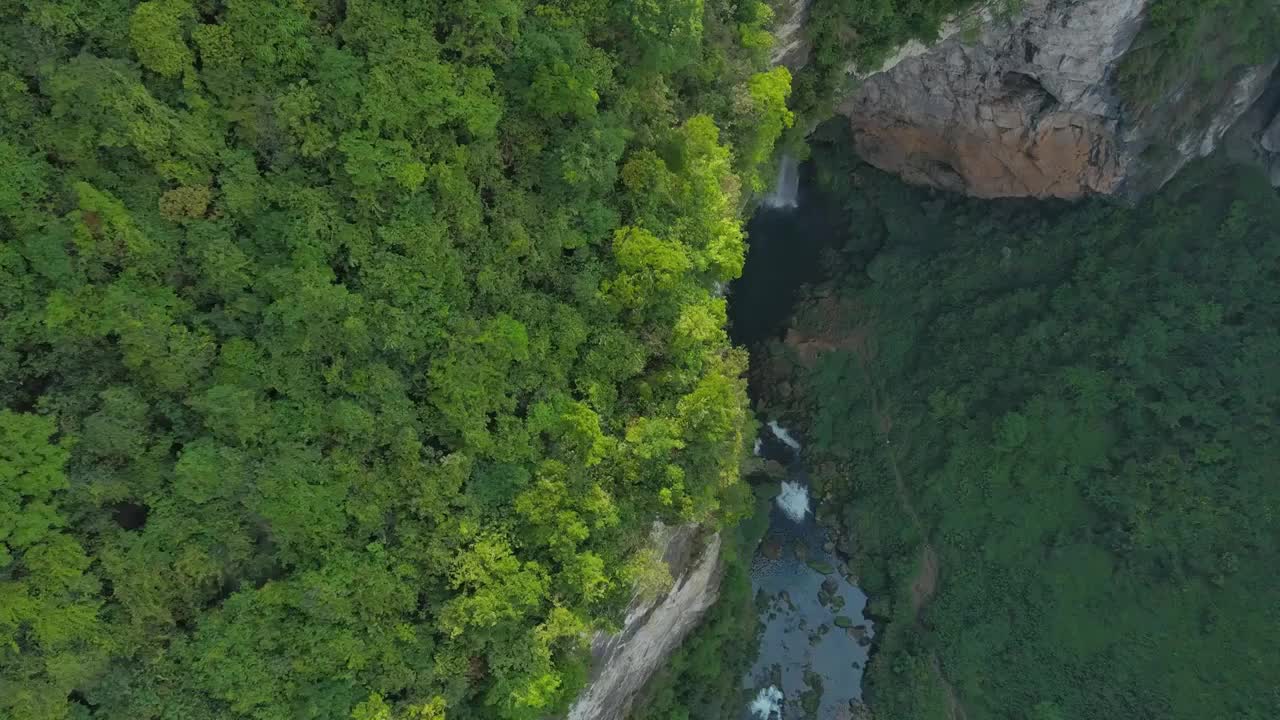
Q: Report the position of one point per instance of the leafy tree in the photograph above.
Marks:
(325, 331)
(50, 625)
(156, 32)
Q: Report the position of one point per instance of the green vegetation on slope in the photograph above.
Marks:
(703, 679)
(862, 33)
(348, 348)
(1187, 61)
(1084, 404)
(1193, 43)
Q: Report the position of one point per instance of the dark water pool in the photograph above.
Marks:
(785, 251)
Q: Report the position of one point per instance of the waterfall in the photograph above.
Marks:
(768, 704)
(784, 436)
(794, 500)
(787, 186)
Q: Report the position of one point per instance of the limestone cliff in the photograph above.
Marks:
(1269, 141)
(624, 662)
(1256, 137)
(790, 43)
(1027, 106)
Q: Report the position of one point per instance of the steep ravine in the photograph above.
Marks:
(805, 661)
(998, 106)
(943, 488)
(814, 639)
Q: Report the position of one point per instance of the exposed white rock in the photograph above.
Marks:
(1270, 139)
(1244, 93)
(1256, 137)
(624, 662)
(790, 44)
(1269, 149)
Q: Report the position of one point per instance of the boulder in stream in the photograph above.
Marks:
(772, 549)
(822, 567)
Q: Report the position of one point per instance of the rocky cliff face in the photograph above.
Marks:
(1256, 137)
(791, 45)
(624, 662)
(1269, 142)
(1026, 106)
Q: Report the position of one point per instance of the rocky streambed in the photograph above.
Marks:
(814, 639)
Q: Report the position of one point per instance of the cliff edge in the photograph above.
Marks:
(624, 662)
(1028, 104)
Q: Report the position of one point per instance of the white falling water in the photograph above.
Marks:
(768, 704)
(782, 434)
(787, 187)
(794, 500)
(759, 448)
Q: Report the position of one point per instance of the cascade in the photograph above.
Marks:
(786, 187)
(768, 704)
(784, 436)
(794, 500)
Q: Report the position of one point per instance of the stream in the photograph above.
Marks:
(814, 638)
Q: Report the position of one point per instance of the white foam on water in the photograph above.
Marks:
(759, 448)
(782, 434)
(768, 704)
(786, 188)
(794, 500)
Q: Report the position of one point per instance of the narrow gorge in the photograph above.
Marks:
(1049, 100)
(639, 359)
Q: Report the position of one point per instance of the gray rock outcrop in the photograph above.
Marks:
(790, 43)
(1270, 143)
(1270, 138)
(1027, 106)
(1256, 137)
(623, 663)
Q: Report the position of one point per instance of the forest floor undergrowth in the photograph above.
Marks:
(925, 584)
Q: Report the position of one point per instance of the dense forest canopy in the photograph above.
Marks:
(1083, 405)
(349, 348)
